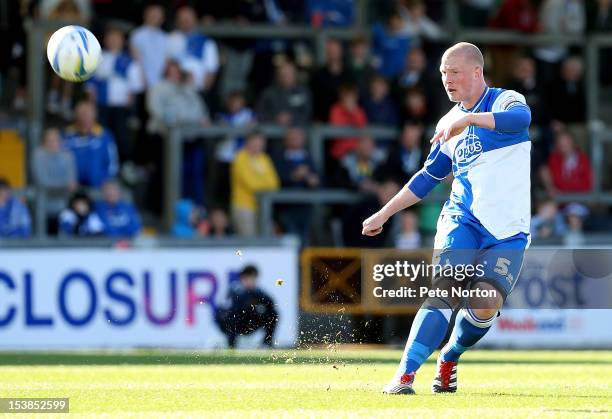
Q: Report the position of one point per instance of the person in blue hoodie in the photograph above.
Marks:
(120, 217)
(185, 219)
(93, 147)
(14, 217)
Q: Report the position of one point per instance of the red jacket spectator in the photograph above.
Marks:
(346, 112)
(520, 15)
(569, 167)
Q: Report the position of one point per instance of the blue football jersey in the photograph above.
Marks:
(491, 169)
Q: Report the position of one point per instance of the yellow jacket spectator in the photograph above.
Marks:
(252, 171)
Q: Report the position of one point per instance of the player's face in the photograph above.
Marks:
(458, 77)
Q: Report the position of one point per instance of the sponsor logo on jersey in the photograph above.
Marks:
(467, 151)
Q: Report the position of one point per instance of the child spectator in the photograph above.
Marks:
(409, 237)
(79, 219)
(54, 171)
(119, 216)
(548, 222)
(15, 220)
(378, 106)
(575, 214)
(252, 171)
(346, 112)
(92, 145)
(406, 157)
(189, 220)
(357, 168)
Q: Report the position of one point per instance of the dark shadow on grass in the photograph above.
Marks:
(224, 357)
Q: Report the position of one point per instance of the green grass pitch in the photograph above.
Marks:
(301, 383)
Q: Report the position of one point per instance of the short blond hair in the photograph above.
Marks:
(469, 51)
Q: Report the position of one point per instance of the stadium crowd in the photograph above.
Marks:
(101, 161)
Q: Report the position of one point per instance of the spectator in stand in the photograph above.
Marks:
(558, 18)
(406, 157)
(149, 44)
(414, 107)
(568, 169)
(15, 220)
(219, 223)
(119, 217)
(357, 167)
(476, 13)
(115, 82)
(79, 219)
(252, 171)
(548, 222)
(196, 52)
(360, 68)
(174, 100)
(566, 96)
(378, 106)
(287, 102)
(409, 237)
(325, 13)
(519, 15)
(92, 145)
(54, 171)
(355, 214)
(390, 46)
(237, 114)
(575, 214)
(598, 20)
(415, 75)
(326, 80)
(296, 170)
(416, 23)
(188, 220)
(346, 112)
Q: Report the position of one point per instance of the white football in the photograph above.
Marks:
(74, 53)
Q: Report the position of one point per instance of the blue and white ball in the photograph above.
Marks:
(74, 53)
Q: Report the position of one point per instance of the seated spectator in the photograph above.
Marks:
(476, 13)
(250, 309)
(54, 171)
(414, 107)
(416, 23)
(519, 15)
(175, 100)
(390, 46)
(79, 219)
(237, 114)
(15, 220)
(346, 112)
(355, 214)
(409, 236)
(92, 145)
(196, 52)
(575, 214)
(287, 102)
(188, 220)
(357, 168)
(326, 80)
(524, 80)
(115, 82)
(325, 13)
(120, 217)
(566, 96)
(599, 16)
(296, 170)
(360, 67)
(252, 171)
(548, 222)
(378, 106)
(406, 157)
(219, 225)
(415, 75)
(568, 169)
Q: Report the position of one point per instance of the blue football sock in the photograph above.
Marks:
(428, 329)
(467, 331)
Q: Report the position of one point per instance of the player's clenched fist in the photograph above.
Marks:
(373, 225)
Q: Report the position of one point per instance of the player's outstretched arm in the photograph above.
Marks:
(403, 199)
